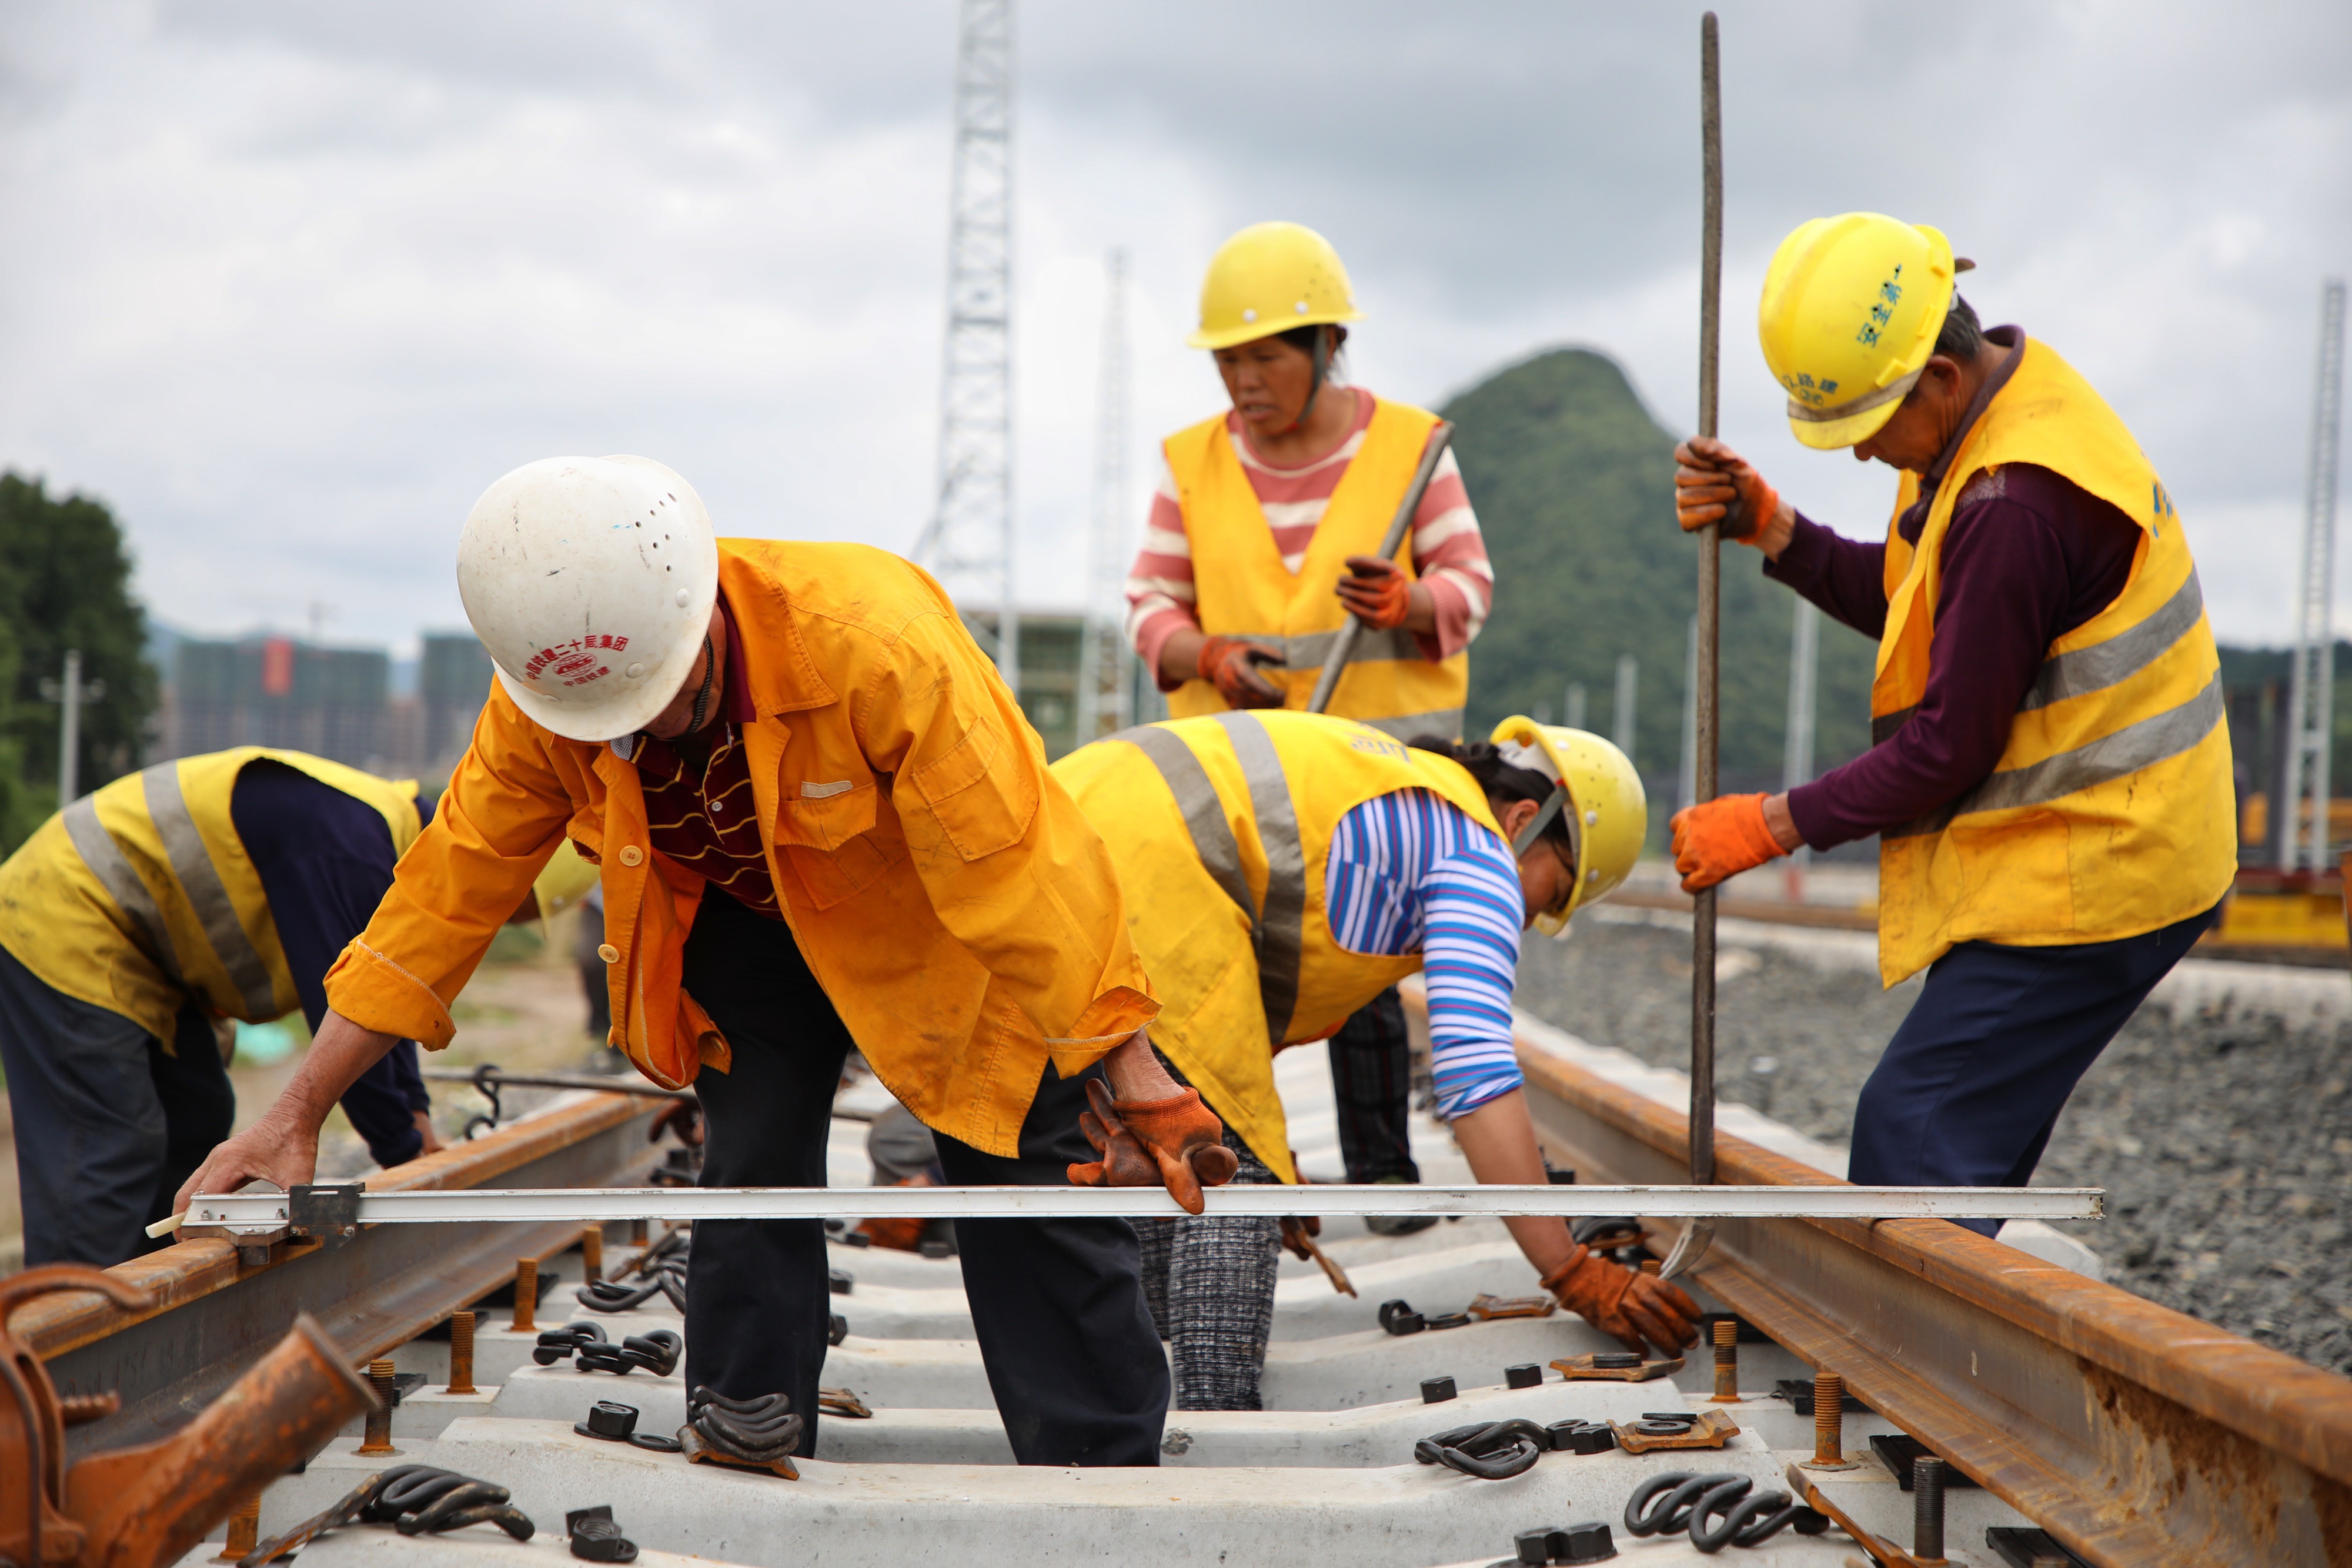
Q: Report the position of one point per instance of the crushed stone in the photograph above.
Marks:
(2222, 1134)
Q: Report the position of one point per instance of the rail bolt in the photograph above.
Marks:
(1928, 1508)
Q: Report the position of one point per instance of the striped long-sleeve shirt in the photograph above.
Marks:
(1412, 871)
(1448, 552)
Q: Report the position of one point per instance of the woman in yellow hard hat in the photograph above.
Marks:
(1264, 539)
(1283, 869)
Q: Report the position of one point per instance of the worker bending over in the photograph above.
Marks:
(137, 927)
(2050, 772)
(1284, 868)
(1264, 537)
(822, 823)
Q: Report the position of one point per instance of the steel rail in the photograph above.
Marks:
(274, 1210)
(2133, 1434)
(216, 1313)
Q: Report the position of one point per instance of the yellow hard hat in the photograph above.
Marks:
(1607, 813)
(565, 880)
(1852, 306)
(1269, 279)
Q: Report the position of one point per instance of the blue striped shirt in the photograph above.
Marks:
(1410, 871)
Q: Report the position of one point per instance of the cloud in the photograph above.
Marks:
(294, 284)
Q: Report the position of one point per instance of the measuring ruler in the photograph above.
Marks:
(336, 1211)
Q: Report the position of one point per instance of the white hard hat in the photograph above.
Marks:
(591, 581)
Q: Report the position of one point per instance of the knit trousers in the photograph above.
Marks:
(1210, 1286)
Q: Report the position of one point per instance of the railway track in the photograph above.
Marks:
(2131, 1433)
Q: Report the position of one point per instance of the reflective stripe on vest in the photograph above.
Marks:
(1276, 930)
(103, 856)
(2109, 812)
(200, 883)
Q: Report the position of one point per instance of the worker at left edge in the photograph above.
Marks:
(138, 927)
(822, 824)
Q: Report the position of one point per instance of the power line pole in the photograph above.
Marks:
(1102, 668)
(2311, 708)
(1797, 754)
(70, 694)
(1629, 674)
(1571, 708)
(970, 538)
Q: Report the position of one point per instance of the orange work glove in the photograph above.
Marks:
(1296, 1232)
(1714, 484)
(1177, 1142)
(1377, 592)
(900, 1233)
(1628, 1306)
(1721, 839)
(1232, 666)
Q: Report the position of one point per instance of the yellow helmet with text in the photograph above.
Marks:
(1269, 279)
(1851, 309)
(1599, 796)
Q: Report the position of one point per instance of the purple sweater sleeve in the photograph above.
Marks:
(2025, 561)
(1846, 577)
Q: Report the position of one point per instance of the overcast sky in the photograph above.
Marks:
(290, 283)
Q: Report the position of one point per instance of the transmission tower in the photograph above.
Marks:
(2311, 708)
(969, 541)
(1103, 678)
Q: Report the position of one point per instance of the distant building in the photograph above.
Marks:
(276, 691)
(453, 681)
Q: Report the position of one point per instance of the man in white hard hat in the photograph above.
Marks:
(2048, 779)
(1265, 539)
(822, 823)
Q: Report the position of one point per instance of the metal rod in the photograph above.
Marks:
(592, 1205)
(591, 1081)
(1710, 596)
(1344, 643)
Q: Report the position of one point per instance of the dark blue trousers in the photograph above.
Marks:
(1972, 1082)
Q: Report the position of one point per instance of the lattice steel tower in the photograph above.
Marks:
(2311, 709)
(969, 541)
(1105, 656)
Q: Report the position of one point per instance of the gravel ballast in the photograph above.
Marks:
(2219, 1125)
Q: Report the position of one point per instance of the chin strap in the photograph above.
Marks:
(702, 698)
(1322, 372)
(1526, 836)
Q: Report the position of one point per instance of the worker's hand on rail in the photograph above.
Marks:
(1232, 666)
(1628, 1306)
(1177, 1142)
(1713, 484)
(275, 1149)
(1376, 593)
(1722, 838)
(1296, 1232)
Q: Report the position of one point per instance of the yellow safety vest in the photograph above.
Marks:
(1246, 591)
(2109, 812)
(1220, 828)
(140, 897)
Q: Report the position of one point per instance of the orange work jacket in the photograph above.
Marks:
(962, 916)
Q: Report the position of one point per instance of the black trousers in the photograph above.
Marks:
(1058, 1304)
(108, 1124)
(1371, 1080)
(1971, 1087)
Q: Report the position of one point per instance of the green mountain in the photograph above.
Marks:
(1572, 479)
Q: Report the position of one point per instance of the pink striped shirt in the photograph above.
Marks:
(1448, 551)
